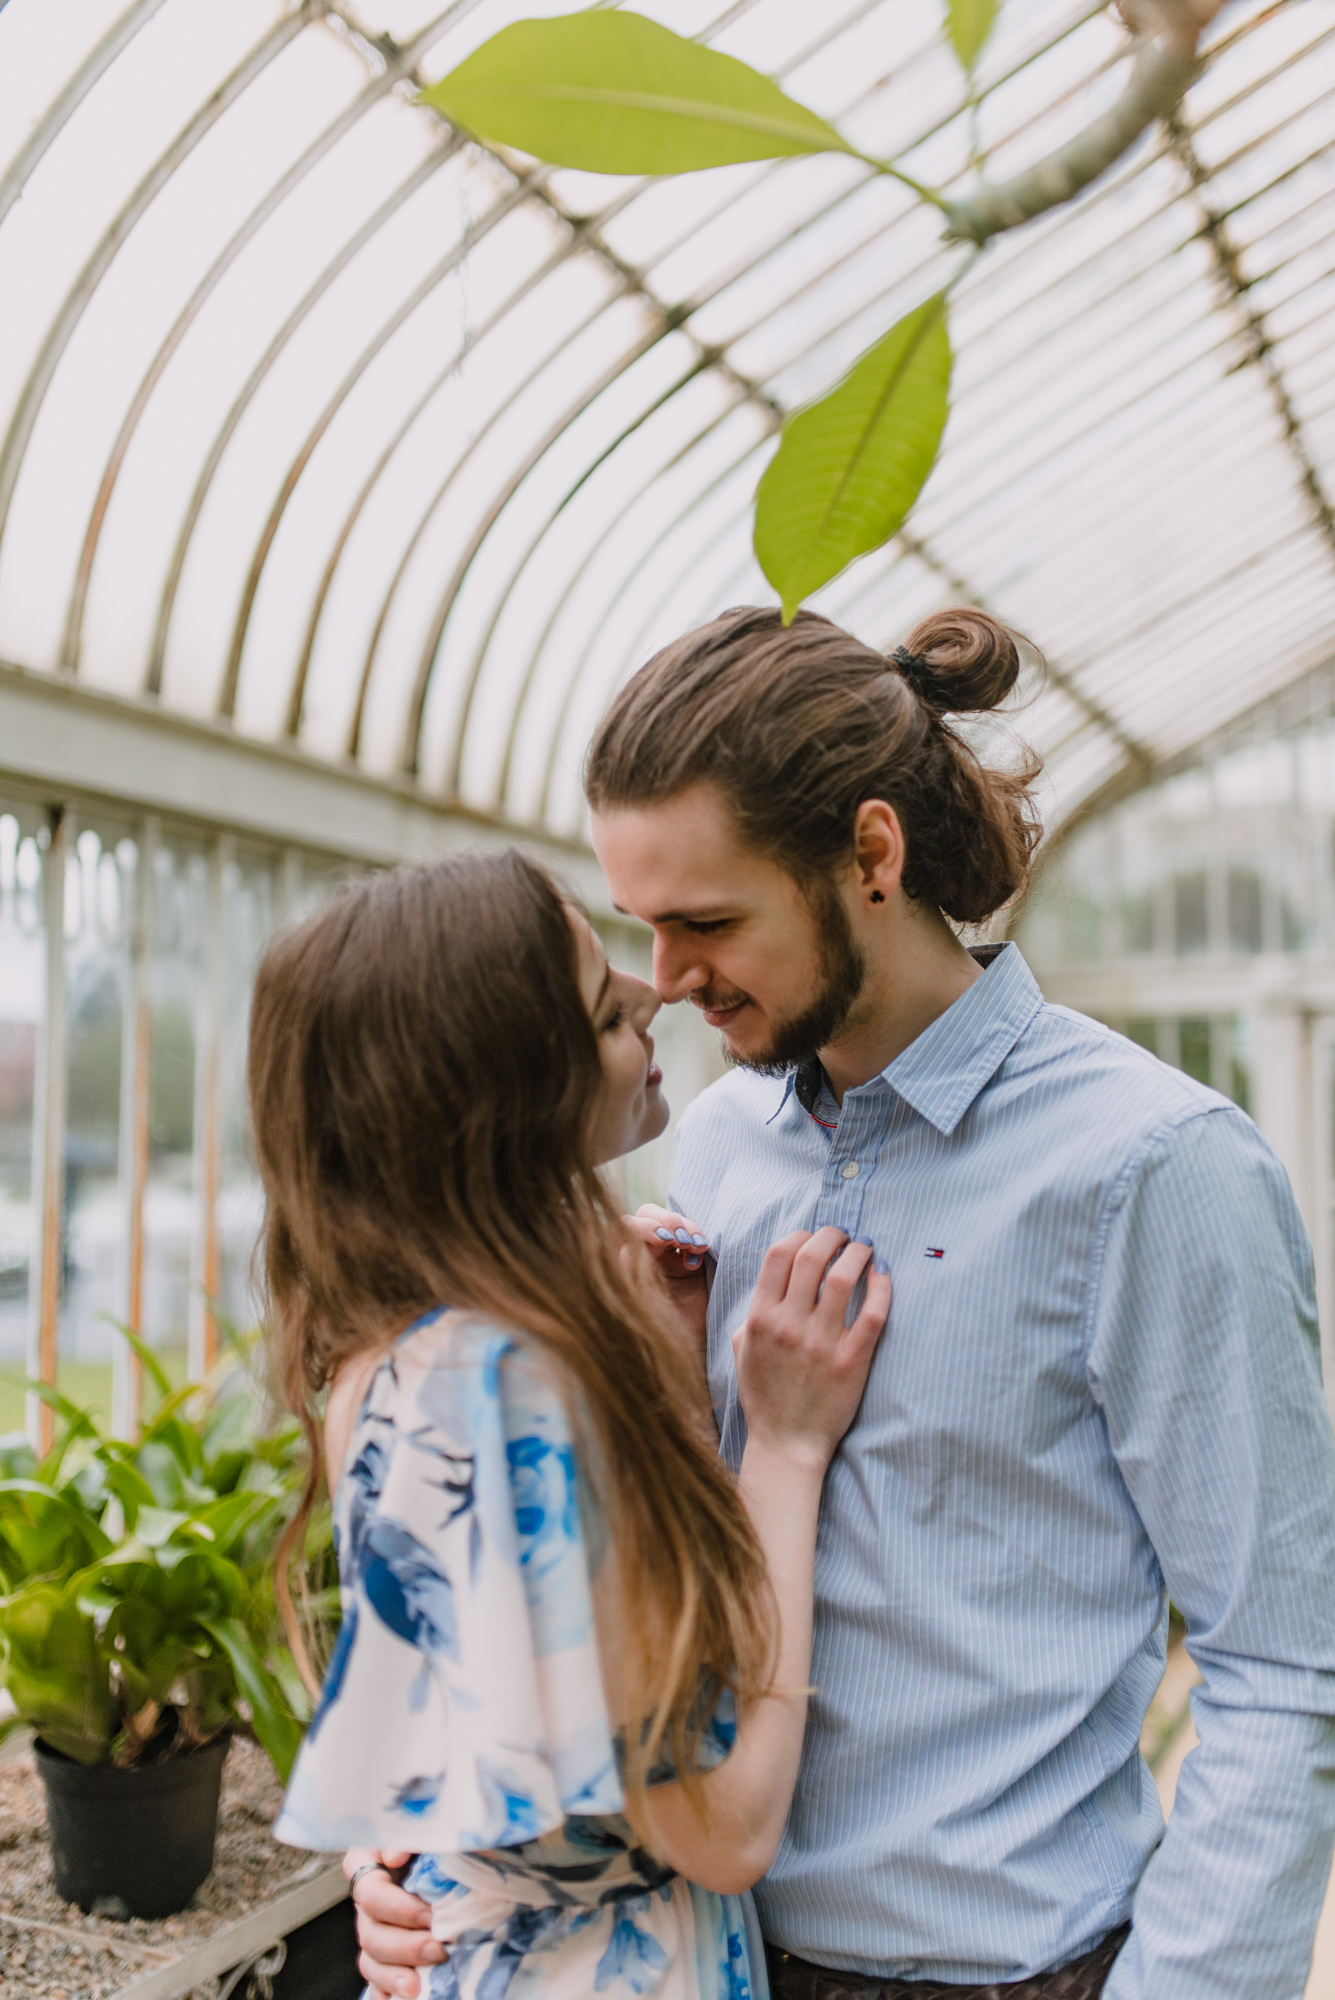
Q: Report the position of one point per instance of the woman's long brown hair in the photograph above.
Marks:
(423, 1078)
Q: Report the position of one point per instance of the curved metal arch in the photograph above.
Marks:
(734, 576)
(61, 330)
(503, 407)
(608, 451)
(393, 73)
(62, 108)
(581, 570)
(533, 457)
(251, 386)
(1100, 422)
(421, 292)
(574, 679)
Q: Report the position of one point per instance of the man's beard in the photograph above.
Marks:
(843, 974)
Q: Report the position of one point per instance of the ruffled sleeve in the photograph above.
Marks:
(463, 1708)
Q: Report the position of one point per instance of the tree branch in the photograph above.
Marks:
(1164, 61)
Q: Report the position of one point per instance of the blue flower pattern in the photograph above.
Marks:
(462, 1716)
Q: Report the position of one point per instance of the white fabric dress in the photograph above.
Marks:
(463, 1716)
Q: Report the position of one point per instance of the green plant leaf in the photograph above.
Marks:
(969, 23)
(275, 1727)
(81, 1420)
(615, 93)
(83, 1524)
(849, 467)
(147, 1357)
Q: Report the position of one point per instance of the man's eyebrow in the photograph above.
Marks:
(709, 914)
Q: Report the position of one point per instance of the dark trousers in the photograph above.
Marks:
(792, 1978)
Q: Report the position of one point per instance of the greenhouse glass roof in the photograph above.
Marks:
(327, 422)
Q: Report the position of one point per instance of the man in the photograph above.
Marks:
(1099, 1386)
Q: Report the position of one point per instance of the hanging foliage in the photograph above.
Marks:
(849, 469)
(617, 94)
(612, 92)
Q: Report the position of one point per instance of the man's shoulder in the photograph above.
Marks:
(1121, 1089)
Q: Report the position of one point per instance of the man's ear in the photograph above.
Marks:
(878, 850)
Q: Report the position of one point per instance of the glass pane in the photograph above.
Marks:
(22, 1004)
(175, 979)
(95, 905)
(251, 890)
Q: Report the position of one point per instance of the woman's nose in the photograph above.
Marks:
(647, 1003)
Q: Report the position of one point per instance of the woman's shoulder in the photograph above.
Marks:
(452, 1371)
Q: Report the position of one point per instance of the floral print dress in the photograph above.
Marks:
(463, 1716)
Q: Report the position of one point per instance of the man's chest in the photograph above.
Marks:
(991, 1261)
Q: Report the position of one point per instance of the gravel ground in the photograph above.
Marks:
(49, 1950)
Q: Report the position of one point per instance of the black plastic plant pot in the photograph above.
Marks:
(134, 1843)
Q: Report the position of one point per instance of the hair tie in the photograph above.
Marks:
(917, 672)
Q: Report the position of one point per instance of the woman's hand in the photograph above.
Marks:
(679, 1251)
(800, 1370)
(393, 1927)
(801, 1373)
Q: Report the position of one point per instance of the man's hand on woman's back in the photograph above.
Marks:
(393, 1927)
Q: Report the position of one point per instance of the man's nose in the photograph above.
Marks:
(677, 969)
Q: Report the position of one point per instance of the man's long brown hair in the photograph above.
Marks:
(798, 724)
(423, 1079)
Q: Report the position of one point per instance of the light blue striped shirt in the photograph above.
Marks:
(1099, 1385)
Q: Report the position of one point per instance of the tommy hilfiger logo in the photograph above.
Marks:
(935, 1253)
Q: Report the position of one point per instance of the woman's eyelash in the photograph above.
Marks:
(614, 1020)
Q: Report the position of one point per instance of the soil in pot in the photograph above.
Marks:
(134, 1843)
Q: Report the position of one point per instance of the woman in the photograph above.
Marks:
(571, 1672)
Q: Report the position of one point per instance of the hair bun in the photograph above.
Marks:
(964, 661)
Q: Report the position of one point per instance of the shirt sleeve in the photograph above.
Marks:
(1204, 1359)
(463, 1708)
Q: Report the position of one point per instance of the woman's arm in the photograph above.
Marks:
(801, 1373)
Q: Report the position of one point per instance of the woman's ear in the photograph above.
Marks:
(878, 850)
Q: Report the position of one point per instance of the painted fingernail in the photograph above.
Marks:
(683, 1236)
(865, 1241)
(881, 1268)
(665, 1236)
(692, 1263)
(700, 1242)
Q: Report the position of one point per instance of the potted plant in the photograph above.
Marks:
(138, 1631)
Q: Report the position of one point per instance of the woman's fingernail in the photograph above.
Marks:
(665, 1236)
(435, 1952)
(683, 1236)
(865, 1241)
(700, 1242)
(692, 1263)
(881, 1268)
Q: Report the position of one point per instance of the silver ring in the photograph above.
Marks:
(367, 1868)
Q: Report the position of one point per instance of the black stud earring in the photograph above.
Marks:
(876, 896)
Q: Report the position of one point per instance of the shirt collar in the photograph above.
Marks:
(942, 1072)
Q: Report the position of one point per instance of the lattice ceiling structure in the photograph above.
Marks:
(328, 423)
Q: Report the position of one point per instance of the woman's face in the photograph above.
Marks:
(633, 1109)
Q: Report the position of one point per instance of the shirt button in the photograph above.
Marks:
(851, 1169)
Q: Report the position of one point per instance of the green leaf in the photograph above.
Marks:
(148, 1359)
(275, 1727)
(80, 1420)
(615, 93)
(969, 23)
(82, 1523)
(849, 468)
